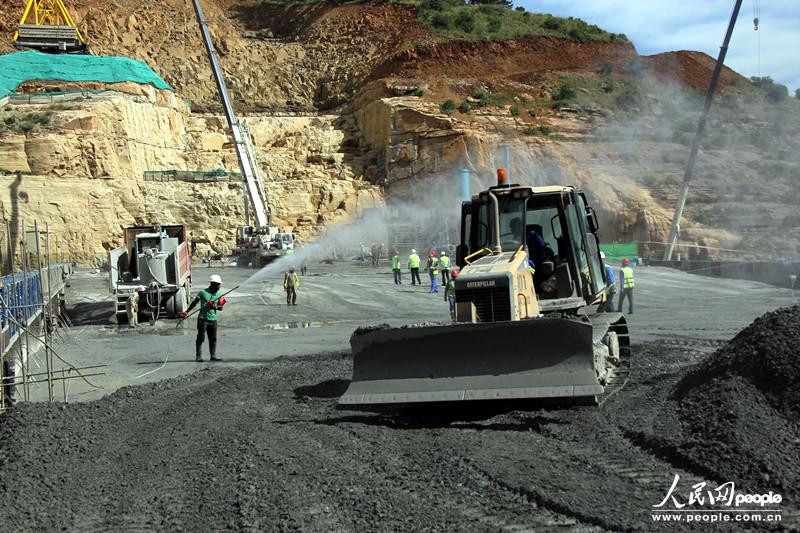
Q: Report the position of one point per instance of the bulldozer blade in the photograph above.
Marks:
(539, 358)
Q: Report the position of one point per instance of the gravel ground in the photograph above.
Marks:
(266, 448)
(740, 409)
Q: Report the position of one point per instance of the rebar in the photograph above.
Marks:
(49, 323)
(46, 328)
(25, 369)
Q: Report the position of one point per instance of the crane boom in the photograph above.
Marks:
(241, 134)
(698, 136)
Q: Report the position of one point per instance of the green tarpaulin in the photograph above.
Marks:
(30, 65)
(619, 251)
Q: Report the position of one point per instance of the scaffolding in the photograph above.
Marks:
(32, 307)
(192, 176)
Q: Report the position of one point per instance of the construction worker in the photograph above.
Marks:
(433, 270)
(193, 244)
(608, 305)
(450, 292)
(290, 285)
(211, 301)
(396, 268)
(413, 266)
(627, 282)
(132, 306)
(538, 248)
(444, 262)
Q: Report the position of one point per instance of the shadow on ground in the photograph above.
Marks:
(477, 415)
(91, 313)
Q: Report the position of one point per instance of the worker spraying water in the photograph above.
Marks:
(211, 301)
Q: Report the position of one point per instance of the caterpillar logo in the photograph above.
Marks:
(478, 284)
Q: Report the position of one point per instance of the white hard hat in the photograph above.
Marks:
(140, 288)
(444, 252)
(215, 278)
(413, 251)
(602, 255)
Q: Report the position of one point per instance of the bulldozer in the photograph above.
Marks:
(524, 326)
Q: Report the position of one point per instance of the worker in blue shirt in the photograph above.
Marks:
(611, 283)
(539, 248)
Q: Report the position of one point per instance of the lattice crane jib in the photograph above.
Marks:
(48, 26)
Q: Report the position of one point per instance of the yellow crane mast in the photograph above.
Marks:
(47, 26)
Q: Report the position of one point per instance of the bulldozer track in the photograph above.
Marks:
(621, 373)
(621, 377)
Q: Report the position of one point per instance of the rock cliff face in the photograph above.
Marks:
(418, 139)
(303, 57)
(345, 105)
(84, 171)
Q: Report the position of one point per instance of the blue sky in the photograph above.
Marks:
(662, 25)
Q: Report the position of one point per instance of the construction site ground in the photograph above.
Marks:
(258, 442)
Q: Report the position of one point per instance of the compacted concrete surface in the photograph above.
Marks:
(258, 442)
(257, 326)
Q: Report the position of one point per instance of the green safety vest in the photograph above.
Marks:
(434, 265)
(413, 261)
(450, 290)
(295, 279)
(395, 262)
(206, 313)
(445, 261)
(627, 276)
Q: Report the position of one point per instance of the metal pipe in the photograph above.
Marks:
(25, 368)
(464, 184)
(44, 323)
(687, 176)
(12, 309)
(2, 379)
(507, 152)
(50, 324)
(496, 215)
(91, 367)
(67, 377)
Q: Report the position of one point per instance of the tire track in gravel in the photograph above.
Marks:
(469, 493)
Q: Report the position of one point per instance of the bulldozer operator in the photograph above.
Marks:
(539, 250)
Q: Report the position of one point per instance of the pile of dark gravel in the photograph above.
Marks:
(740, 409)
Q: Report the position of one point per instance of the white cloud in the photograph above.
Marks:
(663, 25)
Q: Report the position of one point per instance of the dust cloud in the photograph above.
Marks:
(424, 215)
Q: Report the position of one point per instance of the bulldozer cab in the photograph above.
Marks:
(556, 228)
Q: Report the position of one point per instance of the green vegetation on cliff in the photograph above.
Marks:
(456, 19)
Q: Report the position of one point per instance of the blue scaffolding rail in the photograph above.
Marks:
(25, 298)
